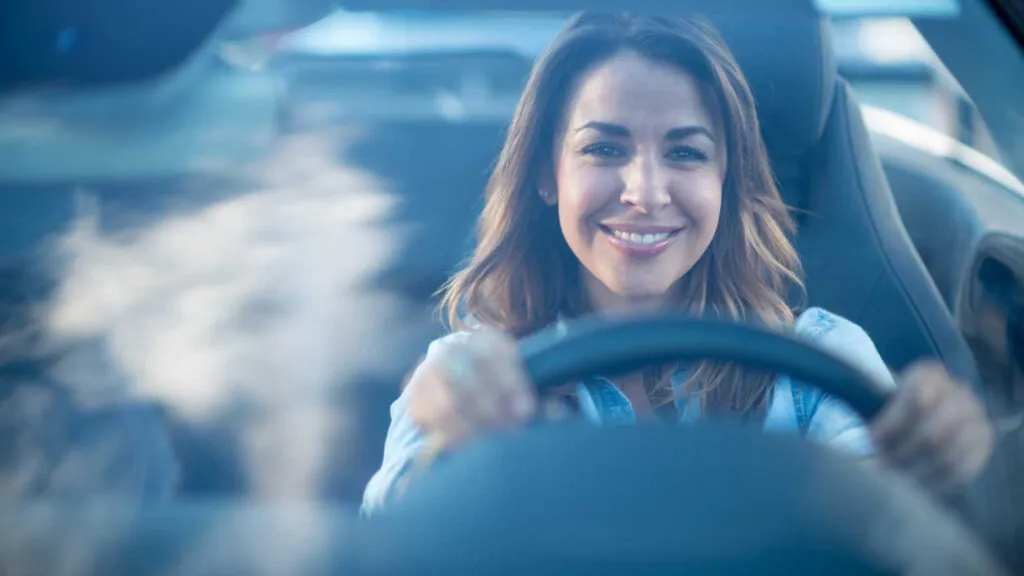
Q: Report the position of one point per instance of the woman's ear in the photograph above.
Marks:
(548, 196)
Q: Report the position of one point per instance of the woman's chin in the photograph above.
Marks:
(638, 298)
(630, 292)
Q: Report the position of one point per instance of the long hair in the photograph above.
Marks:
(523, 275)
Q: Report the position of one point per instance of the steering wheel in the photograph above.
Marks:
(592, 346)
(716, 498)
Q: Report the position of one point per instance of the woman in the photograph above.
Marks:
(633, 178)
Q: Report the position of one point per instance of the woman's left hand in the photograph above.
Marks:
(934, 429)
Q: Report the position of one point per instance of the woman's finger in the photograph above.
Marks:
(939, 466)
(479, 389)
(934, 430)
(960, 463)
(472, 379)
(515, 398)
(913, 399)
(482, 375)
(433, 407)
(519, 402)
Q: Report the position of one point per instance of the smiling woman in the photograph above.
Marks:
(634, 177)
(634, 127)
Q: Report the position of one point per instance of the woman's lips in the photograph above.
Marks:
(640, 241)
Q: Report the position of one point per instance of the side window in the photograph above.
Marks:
(891, 66)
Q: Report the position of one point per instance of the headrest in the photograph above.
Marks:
(790, 65)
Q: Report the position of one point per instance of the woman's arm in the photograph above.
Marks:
(403, 448)
(933, 429)
(831, 420)
(405, 443)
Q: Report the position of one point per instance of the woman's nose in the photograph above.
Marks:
(646, 185)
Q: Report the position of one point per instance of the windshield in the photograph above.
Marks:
(254, 246)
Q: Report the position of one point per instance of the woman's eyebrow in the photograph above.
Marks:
(684, 132)
(673, 134)
(606, 128)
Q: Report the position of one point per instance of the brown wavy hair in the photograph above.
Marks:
(523, 275)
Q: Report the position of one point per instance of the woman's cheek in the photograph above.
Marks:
(702, 201)
(586, 191)
(600, 188)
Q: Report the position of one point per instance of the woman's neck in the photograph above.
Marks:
(635, 387)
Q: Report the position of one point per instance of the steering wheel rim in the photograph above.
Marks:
(590, 346)
(552, 499)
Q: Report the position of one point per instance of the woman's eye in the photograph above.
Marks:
(604, 150)
(687, 154)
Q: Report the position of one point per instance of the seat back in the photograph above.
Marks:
(860, 261)
(858, 258)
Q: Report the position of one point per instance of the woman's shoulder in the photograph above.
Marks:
(447, 339)
(844, 338)
(815, 323)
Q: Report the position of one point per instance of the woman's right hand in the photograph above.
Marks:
(473, 384)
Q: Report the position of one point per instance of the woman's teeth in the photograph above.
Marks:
(641, 238)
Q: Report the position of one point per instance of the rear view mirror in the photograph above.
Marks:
(67, 43)
(58, 43)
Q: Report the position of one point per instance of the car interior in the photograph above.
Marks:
(922, 251)
(859, 258)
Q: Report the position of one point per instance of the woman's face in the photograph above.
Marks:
(638, 172)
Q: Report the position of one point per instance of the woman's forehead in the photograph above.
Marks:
(641, 95)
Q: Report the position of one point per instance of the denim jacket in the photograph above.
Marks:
(794, 407)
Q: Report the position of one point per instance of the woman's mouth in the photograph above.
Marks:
(641, 242)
